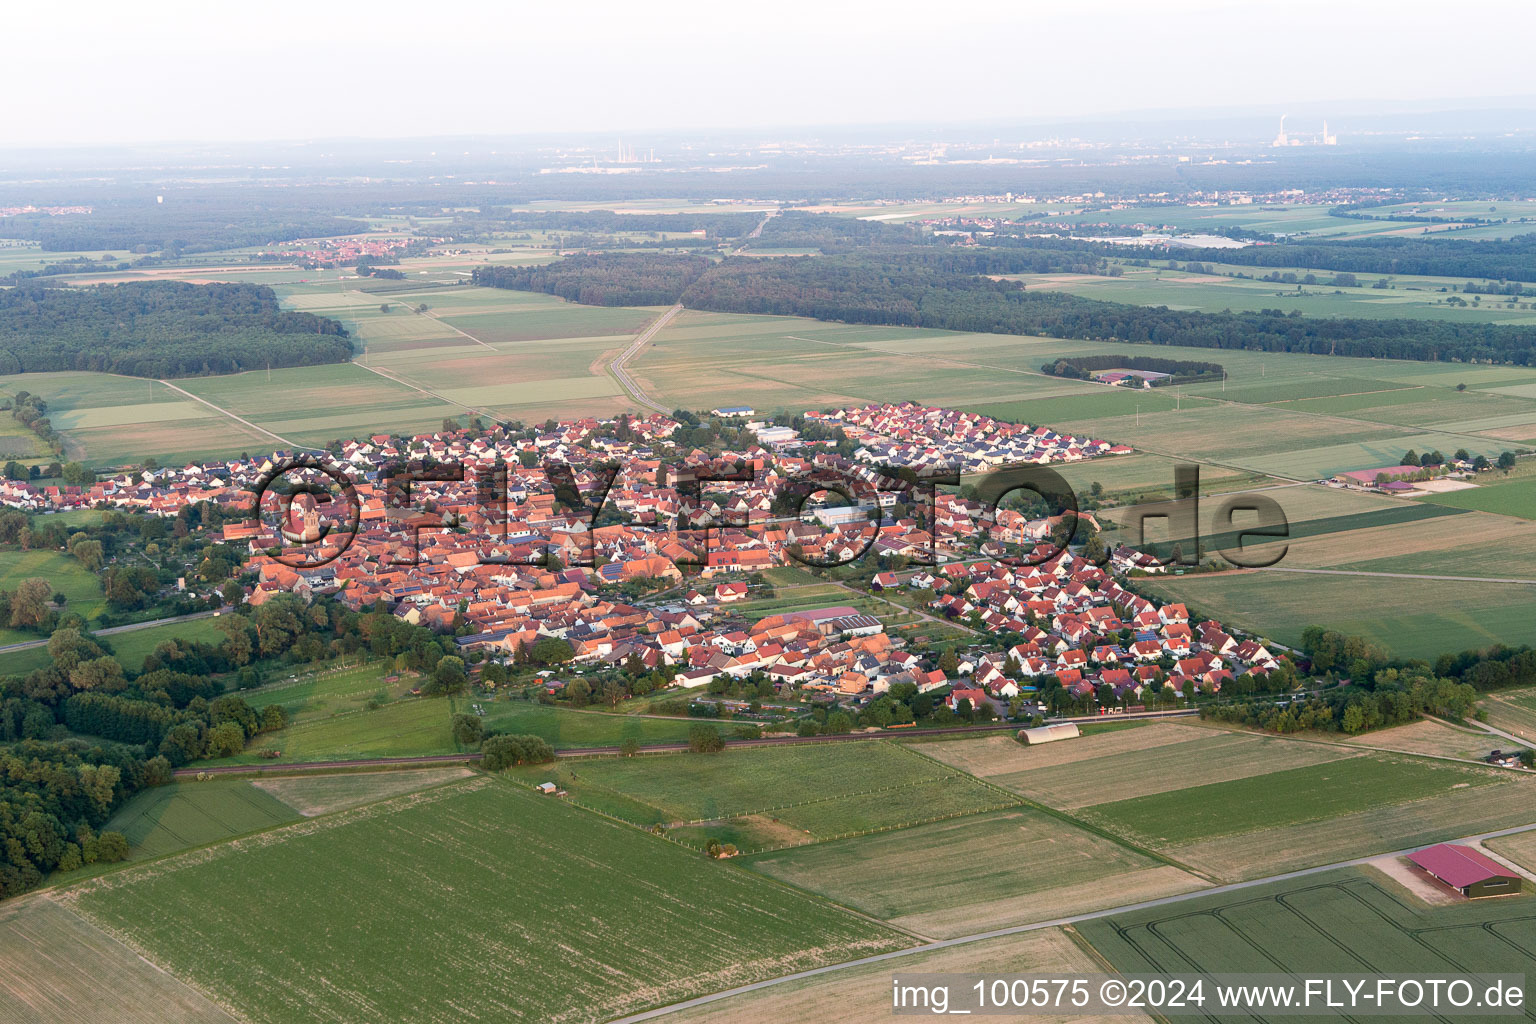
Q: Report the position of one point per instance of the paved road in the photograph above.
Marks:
(110, 630)
(1040, 925)
(293, 766)
(619, 366)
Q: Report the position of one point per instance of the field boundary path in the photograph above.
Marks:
(407, 382)
(1059, 922)
(238, 419)
(430, 315)
(620, 365)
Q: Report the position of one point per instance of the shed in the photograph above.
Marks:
(1469, 872)
(1049, 733)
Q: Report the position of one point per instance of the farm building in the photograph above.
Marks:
(1049, 733)
(1467, 871)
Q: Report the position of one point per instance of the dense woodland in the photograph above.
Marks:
(1509, 259)
(175, 227)
(160, 329)
(618, 279)
(1381, 691)
(942, 290)
(714, 225)
(1180, 371)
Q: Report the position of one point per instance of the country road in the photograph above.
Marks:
(619, 366)
(1059, 922)
(110, 630)
(659, 748)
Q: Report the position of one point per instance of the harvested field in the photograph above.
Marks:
(1203, 759)
(56, 967)
(1434, 819)
(862, 995)
(1521, 849)
(978, 872)
(1428, 737)
(322, 794)
(1000, 755)
(1513, 711)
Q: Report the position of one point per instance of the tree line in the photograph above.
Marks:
(160, 329)
(1180, 371)
(176, 227)
(1498, 259)
(610, 279)
(919, 289)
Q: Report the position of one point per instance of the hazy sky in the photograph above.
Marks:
(108, 72)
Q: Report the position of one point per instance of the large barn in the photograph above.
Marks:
(1467, 871)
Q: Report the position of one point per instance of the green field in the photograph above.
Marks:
(1411, 618)
(1351, 920)
(762, 798)
(352, 713)
(978, 872)
(1514, 498)
(1404, 296)
(532, 911)
(759, 779)
(183, 814)
(564, 728)
(1277, 799)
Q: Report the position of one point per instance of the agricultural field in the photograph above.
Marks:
(1519, 848)
(563, 727)
(994, 755)
(1432, 737)
(685, 927)
(1413, 618)
(1140, 775)
(1513, 711)
(862, 995)
(164, 819)
(109, 420)
(54, 967)
(1347, 920)
(769, 797)
(311, 795)
(1403, 296)
(1512, 498)
(1274, 799)
(1300, 817)
(977, 873)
